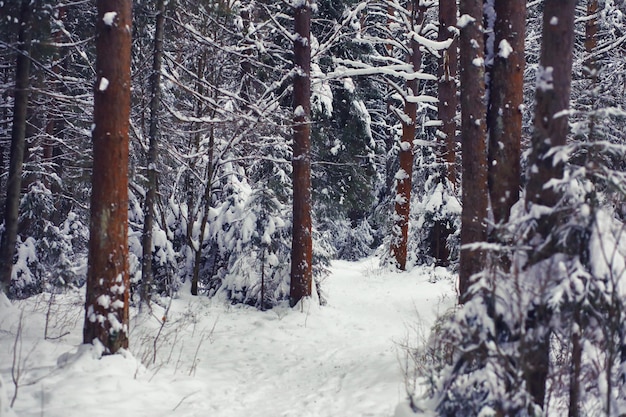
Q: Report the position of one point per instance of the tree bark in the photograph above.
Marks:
(575, 367)
(205, 202)
(199, 111)
(447, 73)
(473, 137)
(552, 98)
(302, 243)
(504, 115)
(147, 276)
(54, 123)
(106, 307)
(590, 65)
(18, 144)
(591, 40)
(405, 173)
(550, 130)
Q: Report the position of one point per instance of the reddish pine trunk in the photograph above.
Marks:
(106, 307)
(504, 115)
(405, 173)
(552, 97)
(591, 39)
(18, 144)
(302, 243)
(550, 130)
(473, 136)
(447, 73)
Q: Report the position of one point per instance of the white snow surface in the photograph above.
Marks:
(218, 360)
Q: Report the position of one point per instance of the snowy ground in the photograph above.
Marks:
(214, 360)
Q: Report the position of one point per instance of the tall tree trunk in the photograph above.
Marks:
(504, 114)
(205, 202)
(552, 97)
(590, 66)
(447, 73)
(575, 367)
(405, 173)
(52, 153)
(106, 306)
(195, 141)
(18, 143)
(302, 243)
(591, 39)
(147, 275)
(51, 126)
(473, 137)
(390, 137)
(550, 130)
(589, 71)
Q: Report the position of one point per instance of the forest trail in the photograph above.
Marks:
(341, 359)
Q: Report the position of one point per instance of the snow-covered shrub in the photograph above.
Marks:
(252, 240)
(352, 242)
(164, 259)
(135, 227)
(435, 223)
(49, 256)
(25, 276)
(545, 328)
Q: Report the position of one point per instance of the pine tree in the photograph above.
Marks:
(504, 114)
(108, 281)
(302, 244)
(447, 73)
(18, 144)
(550, 131)
(473, 136)
(404, 176)
(147, 275)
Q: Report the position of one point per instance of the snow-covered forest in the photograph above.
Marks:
(313, 207)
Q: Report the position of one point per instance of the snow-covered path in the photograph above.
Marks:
(340, 359)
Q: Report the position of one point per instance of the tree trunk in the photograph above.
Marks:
(195, 141)
(106, 307)
(575, 367)
(147, 275)
(302, 243)
(550, 130)
(205, 202)
(590, 66)
(473, 136)
(504, 115)
(552, 97)
(54, 121)
(591, 39)
(18, 143)
(447, 73)
(405, 173)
